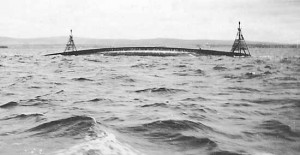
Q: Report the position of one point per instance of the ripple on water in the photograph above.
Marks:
(37, 101)
(100, 100)
(164, 105)
(287, 78)
(25, 116)
(195, 99)
(143, 65)
(160, 90)
(82, 79)
(220, 68)
(200, 72)
(243, 89)
(287, 101)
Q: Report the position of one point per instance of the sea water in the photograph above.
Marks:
(132, 105)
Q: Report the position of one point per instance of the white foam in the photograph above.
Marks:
(105, 144)
(263, 153)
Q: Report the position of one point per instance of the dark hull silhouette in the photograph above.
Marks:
(117, 51)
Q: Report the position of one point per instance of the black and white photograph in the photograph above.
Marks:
(149, 77)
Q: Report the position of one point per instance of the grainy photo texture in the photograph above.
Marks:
(149, 77)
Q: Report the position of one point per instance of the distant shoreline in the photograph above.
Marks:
(199, 43)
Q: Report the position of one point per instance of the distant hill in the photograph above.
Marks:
(6, 41)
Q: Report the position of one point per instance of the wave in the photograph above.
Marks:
(189, 142)
(143, 65)
(25, 116)
(248, 75)
(243, 89)
(24, 78)
(93, 139)
(120, 77)
(258, 61)
(181, 74)
(37, 101)
(287, 78)
(181, 66)
(99, 99)
(159, 90)
(125, 78)
(183, 141)
(276, 129)
(68, 127)
(286, 61)
(82, 79)
(242, 105)
(171, 125)
(93, 60)
(111, 119)
(200, 72)
(231, 76)
(95, 100)
(247, 66)
(251, 75)
(287, 101)
(183, 134)
(105, 144)
(34, 87)
(9, 105)
(195, 99)
(269, 67)
(220, 68)
(228, 153)
(155, 105)
(287, 85)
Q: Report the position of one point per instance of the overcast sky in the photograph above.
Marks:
(262, 20)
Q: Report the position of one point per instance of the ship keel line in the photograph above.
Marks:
(118, 51)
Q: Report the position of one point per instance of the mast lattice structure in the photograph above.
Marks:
(70, 47)
(239, 44)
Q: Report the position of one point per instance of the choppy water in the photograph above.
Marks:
(183, 104)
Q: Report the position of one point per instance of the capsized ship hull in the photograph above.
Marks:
(134, 51)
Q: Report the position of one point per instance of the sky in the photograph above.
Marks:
(261, 20)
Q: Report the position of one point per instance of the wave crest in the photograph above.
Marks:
(171, 125)
(69, 127)
(9, 105)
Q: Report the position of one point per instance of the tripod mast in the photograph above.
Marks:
(239, 44)
(70, 47)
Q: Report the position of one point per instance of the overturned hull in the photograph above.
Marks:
(136, 51)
